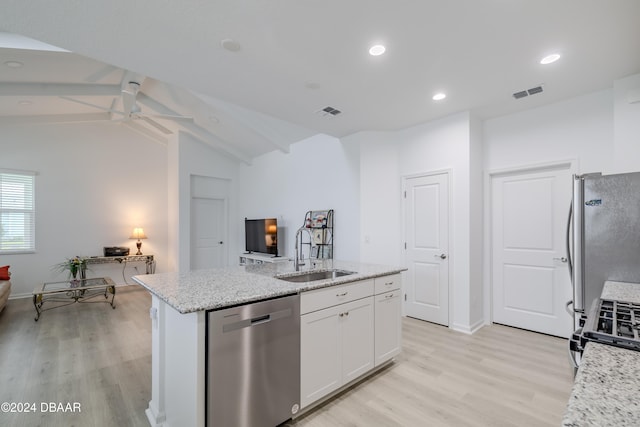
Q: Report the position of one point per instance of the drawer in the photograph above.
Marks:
(387, 283)
(334, 295)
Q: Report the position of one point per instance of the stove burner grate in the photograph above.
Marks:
(620, 319)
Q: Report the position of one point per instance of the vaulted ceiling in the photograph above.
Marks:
(253, 76)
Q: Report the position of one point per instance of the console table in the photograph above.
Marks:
(147, 259)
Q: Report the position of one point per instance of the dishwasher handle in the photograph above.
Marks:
(255, 321)
(260, 319)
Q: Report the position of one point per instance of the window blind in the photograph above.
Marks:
(17, 212)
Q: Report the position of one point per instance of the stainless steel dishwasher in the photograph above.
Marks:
(253, 363)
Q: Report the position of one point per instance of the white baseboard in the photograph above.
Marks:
(155, 419)
(468, 329)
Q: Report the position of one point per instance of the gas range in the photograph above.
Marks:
(612, 322)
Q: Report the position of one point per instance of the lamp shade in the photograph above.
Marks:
(138, 233)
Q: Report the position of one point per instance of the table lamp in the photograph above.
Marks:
(272, 230)
(138, 233)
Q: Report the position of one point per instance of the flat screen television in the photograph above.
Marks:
(261, 235)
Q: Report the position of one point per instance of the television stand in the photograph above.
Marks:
(257, 258)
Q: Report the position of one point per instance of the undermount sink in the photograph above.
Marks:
(311, 276)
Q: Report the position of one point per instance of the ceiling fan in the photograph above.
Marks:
(132, 111)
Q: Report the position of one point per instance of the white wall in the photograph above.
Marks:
(318, 173)
(445, 144)
(95, 183)
(627, 124)
(189, 157)
(380, 221)
(386, 157)
(580, 128)
(476, 238)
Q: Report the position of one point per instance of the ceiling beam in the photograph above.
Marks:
(201, 133)
(255, 126)
(142, 130)
(54, 118)
(58, 89)
(256, 122)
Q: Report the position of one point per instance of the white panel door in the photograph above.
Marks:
(427, 247)
(530, 281)
(208, 228)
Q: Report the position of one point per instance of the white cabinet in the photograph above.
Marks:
(336, 347)
(336, 337)
(357, 338)
(320, 354)
(346, 331)
(387, 326)
(335, 295)
(387, 283)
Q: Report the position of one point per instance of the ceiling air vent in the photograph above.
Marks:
(520, 94)
(524, 93)
(534, 90)
(329, 111)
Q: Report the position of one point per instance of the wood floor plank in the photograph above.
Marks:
(499, 376)
(101, 358)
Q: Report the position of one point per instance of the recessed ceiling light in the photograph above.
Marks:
(230, 45)
(550, 58)
(13, 64)
(377, 50)
(439, 96)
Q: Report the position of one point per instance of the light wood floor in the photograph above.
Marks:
(101, 358)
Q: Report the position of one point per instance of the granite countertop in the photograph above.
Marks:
(606, 387)
(621, 291)
(218, 288)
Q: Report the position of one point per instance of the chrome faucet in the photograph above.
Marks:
(299, 255)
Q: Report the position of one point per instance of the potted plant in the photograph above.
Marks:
(74, 265)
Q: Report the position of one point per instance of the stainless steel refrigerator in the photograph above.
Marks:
(604, 237)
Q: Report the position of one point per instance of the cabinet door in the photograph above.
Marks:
(388, 327)
(320, 354)
(356, 319)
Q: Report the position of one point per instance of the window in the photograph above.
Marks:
(17, 212)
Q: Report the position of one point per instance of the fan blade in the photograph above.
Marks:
(77, 101)
(101, 73)
(154, 124)
(168, 117)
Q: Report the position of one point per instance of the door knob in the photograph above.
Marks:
(562, 259)
(441, 256)
(220, 242)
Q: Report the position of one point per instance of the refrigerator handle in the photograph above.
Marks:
(577, 262)
(568, 241)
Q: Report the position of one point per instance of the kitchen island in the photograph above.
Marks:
(605, 391)
(180, 302)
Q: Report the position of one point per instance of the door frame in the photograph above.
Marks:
(570, 164)
(403, 187)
